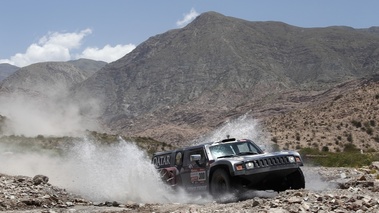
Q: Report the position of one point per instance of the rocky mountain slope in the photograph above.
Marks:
(184, 82)
(35, 99)
(6, 70)
(347, 114)
(50, 77)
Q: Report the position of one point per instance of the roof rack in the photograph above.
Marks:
(227, 140)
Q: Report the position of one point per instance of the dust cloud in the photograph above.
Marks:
(30, 114)
(119, 171)
(99, 172)
(244, 127)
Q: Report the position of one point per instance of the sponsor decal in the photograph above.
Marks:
(197, 175)
(162, 160)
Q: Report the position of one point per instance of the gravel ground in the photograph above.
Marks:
(327, 190)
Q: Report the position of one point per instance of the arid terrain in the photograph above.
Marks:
(327, 190)
(284, 87)
(340, 116)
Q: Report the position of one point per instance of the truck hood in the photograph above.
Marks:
(260, 156)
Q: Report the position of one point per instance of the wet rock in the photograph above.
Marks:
(40, 179)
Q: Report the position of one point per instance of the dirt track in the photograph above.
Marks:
(327, 190)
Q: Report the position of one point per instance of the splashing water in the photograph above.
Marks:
(118, 171)
(99, 172)
(115, 172)
(243, 127)
(121, 171)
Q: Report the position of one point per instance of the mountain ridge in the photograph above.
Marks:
(7, 70)
(217, 63)
(186, 82)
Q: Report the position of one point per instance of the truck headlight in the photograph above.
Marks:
(291, 159)
(249, 165)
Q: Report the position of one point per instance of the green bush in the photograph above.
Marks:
(349, 138)
(325, 149)
(357, 124)
(274, 139)
(338, 159)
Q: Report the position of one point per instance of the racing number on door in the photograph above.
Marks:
(198, 175)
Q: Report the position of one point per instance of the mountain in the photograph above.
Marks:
(7, 70)
(185, 82)
(50, 77)
(346, 114)
(87, 65)
(35, 99)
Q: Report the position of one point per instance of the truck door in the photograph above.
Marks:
(193, 173)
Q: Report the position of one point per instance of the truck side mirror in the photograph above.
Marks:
(195, 157)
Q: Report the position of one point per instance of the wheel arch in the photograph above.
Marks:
(214, 168)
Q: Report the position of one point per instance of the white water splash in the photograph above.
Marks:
(244, 127)
(121, 171)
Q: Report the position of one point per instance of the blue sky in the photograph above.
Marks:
(52, 30)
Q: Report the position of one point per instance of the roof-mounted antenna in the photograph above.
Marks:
(227, 136)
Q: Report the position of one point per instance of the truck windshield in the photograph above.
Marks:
(234, 149)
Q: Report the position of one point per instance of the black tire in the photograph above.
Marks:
(296, 180)
(220, 184)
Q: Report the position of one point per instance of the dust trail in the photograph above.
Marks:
(99, 172)
(314, 181)
(121, 171)
(244, 127)
(118, 171)
(58, 116)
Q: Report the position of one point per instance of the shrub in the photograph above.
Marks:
(357, 124)
(349, 138)
(369, 131)
(325, 149)
(337, 97)
(337, 159)
(350, 148)
(274, 139)
(297, 136)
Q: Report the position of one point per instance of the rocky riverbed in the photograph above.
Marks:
(327, 190)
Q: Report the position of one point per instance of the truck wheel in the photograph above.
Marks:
(296, 180)
(220, 184)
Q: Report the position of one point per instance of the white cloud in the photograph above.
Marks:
(187, 18)
(108, 53)
(57, 46)
(52, 47)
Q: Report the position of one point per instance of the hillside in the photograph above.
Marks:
(50, 77)
(6, 70)
(35, 99)
(187, 81)
(343, 115)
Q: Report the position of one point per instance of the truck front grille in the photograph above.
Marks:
(272, 161)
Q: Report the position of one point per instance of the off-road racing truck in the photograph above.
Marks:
(229, 166)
